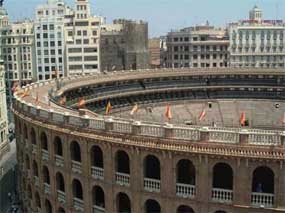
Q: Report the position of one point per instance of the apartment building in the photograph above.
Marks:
(199, 46)
(49, 39)
(82, 34)
(257, 42)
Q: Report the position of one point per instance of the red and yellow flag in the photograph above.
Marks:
(108, 108)
(168, 113)
(134, 109)
(81, 103)
(202, 115)
(242, 119)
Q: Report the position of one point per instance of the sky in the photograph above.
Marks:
(163, 15)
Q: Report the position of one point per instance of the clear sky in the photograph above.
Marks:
(164, 15)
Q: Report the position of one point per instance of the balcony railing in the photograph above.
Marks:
(59, 161)
(97, 173)
(123, 179)
(61, 196)
(45, 155)
(222, 195)
(185, 190)
(36, 180)
(98, 209)
(46, 188)
(152, 185)
(78, 204)
(76, 167)
(264, 200)
(39, 210)
(34, 148)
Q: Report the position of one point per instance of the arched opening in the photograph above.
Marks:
(263, 180)
(27, 161)
(152, 206)
(222, 176)
(44, 141)
(123, 203)
(48, 206)
(35, 169)
(58, 146)
(98, 197)
(97, 157)
(60, 182)
(37, 200)
(75, 151)
(33, 136)
(77, 189)
(61, 210)
(185, 171)
(25, 132)
(151, 167)
(122, 162)
(184, 209)
(220, 211)
(46, 178)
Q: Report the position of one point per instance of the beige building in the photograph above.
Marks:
(200, 46)
(82, 35)
(154, 52)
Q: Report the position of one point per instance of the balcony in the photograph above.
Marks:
(222, 195)
(98, 209)
(36, 180)
(151, 185)
(78, 204)
(59, 161)
(185, 190)
(61, 196)
(39, 210)
(76, 167)
(122, 179)
(45, 155)
(46, 188)
(34, 148)
(264, 200)
(97, 173)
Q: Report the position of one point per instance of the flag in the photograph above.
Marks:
(62, 101)
(202, 115)
(242, 119)
(81, 103)
(108, 108)
(168, 114)
(37, 98)
(135, 109)
(283, 121)
(25, 94)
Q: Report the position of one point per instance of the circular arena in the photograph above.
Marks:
(153, 141)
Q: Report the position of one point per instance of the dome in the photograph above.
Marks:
(3, 12)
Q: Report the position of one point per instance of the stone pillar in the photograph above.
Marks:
(109, 124)
(204, 134)
(243, 137)
(136, 128)
(242, 183)
(168, 131)
(282, 139)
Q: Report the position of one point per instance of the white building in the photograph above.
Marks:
(4, 146)
(82, 40)
(257, 42)
(49, 37)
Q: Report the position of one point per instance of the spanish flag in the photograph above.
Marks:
(81, 103)
(62, 101)
(135, 109)
(242, 119)
(168, 113)
(202, 115)
(108, 108)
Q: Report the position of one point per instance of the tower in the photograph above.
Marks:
(255, 14)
